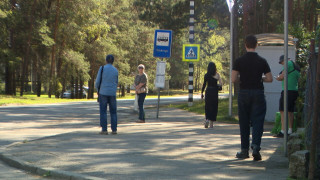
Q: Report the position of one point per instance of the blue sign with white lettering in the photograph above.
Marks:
(162, 43)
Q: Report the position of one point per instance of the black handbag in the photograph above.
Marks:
(100, 83)
(219, 87)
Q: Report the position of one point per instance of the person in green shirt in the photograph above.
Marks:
(293, 77)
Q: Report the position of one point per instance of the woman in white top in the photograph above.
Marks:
(141, 82)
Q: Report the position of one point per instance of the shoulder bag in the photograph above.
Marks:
(141, 90)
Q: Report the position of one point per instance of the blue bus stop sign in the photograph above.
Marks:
(162, 43)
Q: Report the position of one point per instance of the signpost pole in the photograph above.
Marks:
(158, 102)
(158, 98)
(285, 77)
(191, 40)
(162, 49)
(231, 59)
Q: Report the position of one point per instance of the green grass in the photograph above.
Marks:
(33, 99)
(223, 109)
(29, 99)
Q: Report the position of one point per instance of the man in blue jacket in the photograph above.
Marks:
(106, 84)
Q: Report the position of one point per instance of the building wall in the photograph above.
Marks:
(273, 90)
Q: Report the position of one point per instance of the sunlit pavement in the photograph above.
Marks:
(175, 146)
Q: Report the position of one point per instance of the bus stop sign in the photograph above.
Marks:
(162, 43)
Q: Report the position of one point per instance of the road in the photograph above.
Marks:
(62, 140)
(21, 123)
(27, 123)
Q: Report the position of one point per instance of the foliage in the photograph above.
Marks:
(302, 56)
(74, 37)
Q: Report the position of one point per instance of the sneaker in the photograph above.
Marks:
(256, 155)
(114, 132)
(279, 135)
(206, 124)
(243, 154)
(103, 132)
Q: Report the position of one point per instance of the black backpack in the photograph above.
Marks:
(296, 67)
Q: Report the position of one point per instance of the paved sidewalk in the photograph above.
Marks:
(175, 146)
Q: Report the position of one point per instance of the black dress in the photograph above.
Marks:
(211, 97)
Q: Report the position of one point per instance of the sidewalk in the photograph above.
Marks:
(175, 146)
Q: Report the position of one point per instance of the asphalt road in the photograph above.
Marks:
(27, 123)
(21, 123)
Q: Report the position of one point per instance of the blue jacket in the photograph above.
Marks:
(109, 81)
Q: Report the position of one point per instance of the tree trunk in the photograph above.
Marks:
(249, 17)
(72, 88)
(316, 21)
(123, 91)
(9, 79)
(297, 17)
(76, 85)
(312, 14)
(290, 11)
(9, 72)
(14, 75)
(38, 72)
(53, 63)
(91, 82)
(59, 60)
(305, 14)
(91, 88)
(64, 80)
(81, 88)
(265, 4)
(316, 105)
(24, 75)
(38, 87)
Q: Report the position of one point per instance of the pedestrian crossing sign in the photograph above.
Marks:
(191, 52)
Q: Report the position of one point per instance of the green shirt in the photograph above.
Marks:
(293, 77)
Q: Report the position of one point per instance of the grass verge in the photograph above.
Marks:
(29, 99)
(33, 99)
(223, 109)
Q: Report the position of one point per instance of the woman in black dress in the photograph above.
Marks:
(211, 79)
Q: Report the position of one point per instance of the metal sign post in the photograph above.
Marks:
(191, 53)
(162, 49)
(160, 80)
(285, 90)
(230, 4)
(191, 40)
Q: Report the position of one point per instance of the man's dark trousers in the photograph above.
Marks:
(252, 110)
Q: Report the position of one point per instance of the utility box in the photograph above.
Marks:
(271, 47)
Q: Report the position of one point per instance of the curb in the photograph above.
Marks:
(44, 172)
